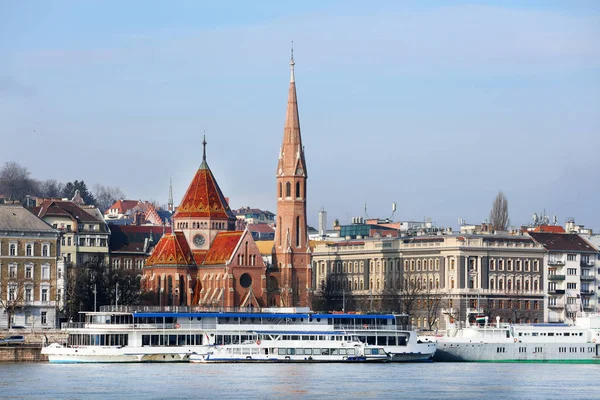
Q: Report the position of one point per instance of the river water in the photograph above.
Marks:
(291, 381)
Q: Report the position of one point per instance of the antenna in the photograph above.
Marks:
(393, 211)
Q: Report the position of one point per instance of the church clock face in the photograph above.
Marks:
(199, 240)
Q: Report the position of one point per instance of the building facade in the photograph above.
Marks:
(31, 270)
(84, 234)
(204, 260)
(443, 277)
(570, 266)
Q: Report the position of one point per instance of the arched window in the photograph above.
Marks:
(298, 189)
(45, 250)
(29, 249)
(288, 189)
(280, 190)
(492, 284)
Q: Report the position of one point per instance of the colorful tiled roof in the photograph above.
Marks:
(204, 198)
(171, 250)
(122, 206)
(222, 247)
(549, 228)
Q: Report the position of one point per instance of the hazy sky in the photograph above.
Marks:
(433, 105)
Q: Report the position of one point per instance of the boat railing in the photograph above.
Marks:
(194, 309)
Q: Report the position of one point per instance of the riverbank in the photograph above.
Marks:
(31, 350)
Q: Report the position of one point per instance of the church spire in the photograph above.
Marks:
(170, 206)
(204, 165)
(292, 78)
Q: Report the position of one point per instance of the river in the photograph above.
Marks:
(291, 381)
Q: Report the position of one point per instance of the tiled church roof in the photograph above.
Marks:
(222, 247)
(171, 250)
(204, 198)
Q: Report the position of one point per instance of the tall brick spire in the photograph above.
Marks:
(290, 250)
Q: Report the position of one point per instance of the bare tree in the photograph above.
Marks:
(50, 188)
(432, 303)
(409, 292)
(106, 196)
(14, 299)
(15, 182)
(499, 213)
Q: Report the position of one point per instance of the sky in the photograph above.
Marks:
(434, 106)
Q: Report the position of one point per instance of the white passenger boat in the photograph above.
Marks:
(294, 346)
(500, 342)
(173, 334)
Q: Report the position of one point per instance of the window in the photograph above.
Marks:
(45, 250)
(29, 294)
(12, 249)
(492, 265)
(571, 271)
(571, 257)
(29, 250)
(527, 266)
(44, 316)
(288, 189)
(12, 271)
(44, 296)
(29, 271)
(298, 189)
(571, 285)
(45, 271)
(452, 264)
(280, 190)
(12, 292)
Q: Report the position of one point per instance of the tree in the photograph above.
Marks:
(499, 213)
(49, 188)
(409, 292)
(106, 196)
(15, 182)
(15, 298)
(96, 283)
(71, 187)
(432, 303)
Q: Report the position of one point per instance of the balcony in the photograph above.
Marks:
(556, 291)
(557, 263)
(589, 308)
(587, 277)
(587, 263)
(556, 277)
(558, 304)
(587, 292)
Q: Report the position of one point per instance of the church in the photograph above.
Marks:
(204, 261)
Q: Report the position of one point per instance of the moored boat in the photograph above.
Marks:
(173, 334)
(293, 346)
(501, 342)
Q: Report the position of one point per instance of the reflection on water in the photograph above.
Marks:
(289, 381)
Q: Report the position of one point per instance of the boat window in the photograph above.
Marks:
(371, 340)
(567, 334)
(295, 337)
(351, 352)
(391, 340)
(281, 352)
(305, 337)
(308, 352)
(381, 340)
(312, 337)
(324, 352)
(316, 351)
(334, 352)
(300, 352)
(534, 334)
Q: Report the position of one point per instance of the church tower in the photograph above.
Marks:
(291, 257)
